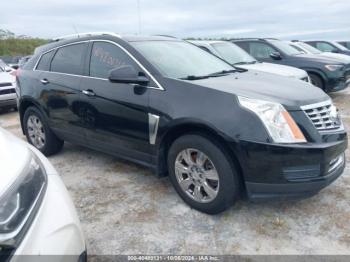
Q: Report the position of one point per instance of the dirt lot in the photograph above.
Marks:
(126, 209)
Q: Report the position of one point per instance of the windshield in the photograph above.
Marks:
(179, 59)
(339, 46)
(309, 48)
(232, 53)
(285, 47)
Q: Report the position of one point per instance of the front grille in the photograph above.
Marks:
(323, 116)
(7, 91)
(5, 84)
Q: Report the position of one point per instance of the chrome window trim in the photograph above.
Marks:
(159, 86)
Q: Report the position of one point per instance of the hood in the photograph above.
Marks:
(316, 58)
(289, 92)
(281, 70)
(6, 78)
(343, 58)
(14, 156)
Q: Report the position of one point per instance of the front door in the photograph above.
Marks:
(116, 114)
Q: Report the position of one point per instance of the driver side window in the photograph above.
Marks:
(325, 47)
(260, 50)
(105, 57)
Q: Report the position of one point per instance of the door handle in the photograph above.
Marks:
(44, 81)
(88, 92)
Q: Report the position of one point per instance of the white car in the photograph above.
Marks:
(37, 215)
(236, 56)
(7, 89)
(308, 49)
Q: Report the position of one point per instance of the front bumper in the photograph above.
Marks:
(56, 228)
(275, 171)
(338, 84)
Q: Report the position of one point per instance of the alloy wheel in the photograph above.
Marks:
(36, 131)
(197, 175)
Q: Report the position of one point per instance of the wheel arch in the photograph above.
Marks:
(201, 129)
(24, 104)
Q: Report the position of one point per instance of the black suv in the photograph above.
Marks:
(329, 74)
(169, 105)
(329, 46)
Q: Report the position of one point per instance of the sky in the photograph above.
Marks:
(294, 19)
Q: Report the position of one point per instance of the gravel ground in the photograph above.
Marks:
(126, 209)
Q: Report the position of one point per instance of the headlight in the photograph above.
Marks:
(278, 122)
(19, 203)
(333, 67)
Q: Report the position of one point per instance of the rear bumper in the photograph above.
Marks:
(275, 171)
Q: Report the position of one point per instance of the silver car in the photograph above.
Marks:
(7, 90)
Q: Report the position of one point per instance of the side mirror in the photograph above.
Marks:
(127, 75)
(335, 51)
(276, 55)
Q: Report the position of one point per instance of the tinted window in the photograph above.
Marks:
(105, 57)
(44, 63)
(69, 59)
(325, 47)
(260, 50)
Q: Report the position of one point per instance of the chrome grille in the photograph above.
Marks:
(323, 116)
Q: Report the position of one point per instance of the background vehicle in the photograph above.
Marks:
(5, 67)
(345, 44)
(37, 214)
(23, 60)
(326, 73)
(7, 90)
(11, 61)
(236, 56)
(308, 49)
(166, 104)
(329, 46)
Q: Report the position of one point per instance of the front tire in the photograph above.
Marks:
(39, 134)
(202, 174)
(317, 81)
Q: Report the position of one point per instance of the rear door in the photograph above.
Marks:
(116, 113)
(61, 94)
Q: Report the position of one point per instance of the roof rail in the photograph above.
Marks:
(78, 35)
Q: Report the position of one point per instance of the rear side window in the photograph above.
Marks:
(260, 50)
(44, 63)
(107, 56)
(69, 59)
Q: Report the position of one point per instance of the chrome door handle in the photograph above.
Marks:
(44, 81)
(88, 92)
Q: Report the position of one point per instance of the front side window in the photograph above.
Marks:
(325, 47)
(44, 63)
(309, 48)
(69, 59)
(178, 59)
(105, 57)
(232, 53)
(285, 47)
(261, 50)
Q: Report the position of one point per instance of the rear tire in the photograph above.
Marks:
(196, 159)
(39, 134)
(317, 81)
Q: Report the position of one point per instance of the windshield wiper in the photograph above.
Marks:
(216, 74)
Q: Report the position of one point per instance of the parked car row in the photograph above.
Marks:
(7, 88)
(328, 73)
